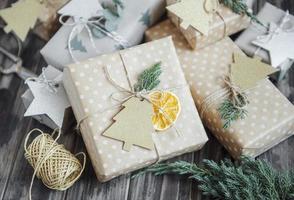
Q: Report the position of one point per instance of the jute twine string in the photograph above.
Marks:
(215, 10)
(53, 164)
(230, 90)
(143, 95)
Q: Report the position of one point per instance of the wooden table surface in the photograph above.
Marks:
(15, 172)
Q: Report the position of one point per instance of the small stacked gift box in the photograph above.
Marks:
(270, 118)
(223, 23)
(100, 92)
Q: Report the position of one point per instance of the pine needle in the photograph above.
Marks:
(248, 179)
(230, 113)
(149, 78)
(240, 7)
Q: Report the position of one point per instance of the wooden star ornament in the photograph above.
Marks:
(246, 72)
(193, 13)
(279, 45)
(46, 102)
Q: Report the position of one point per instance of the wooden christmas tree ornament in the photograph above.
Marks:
(195, 13)
(133, 125)
(21, 17)
(246, 72)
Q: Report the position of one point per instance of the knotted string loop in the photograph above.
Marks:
(235, 92)
(82, 23)
(51, 85)
(230, 90)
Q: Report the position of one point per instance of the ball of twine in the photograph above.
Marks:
(53, 164)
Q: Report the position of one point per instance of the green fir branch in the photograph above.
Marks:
(230, 113)
(248, 179)
(149, 78)
(240, 7)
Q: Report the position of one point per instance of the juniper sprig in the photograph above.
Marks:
(230, 113)
(248, 179)
(149, 78)
(240, 7)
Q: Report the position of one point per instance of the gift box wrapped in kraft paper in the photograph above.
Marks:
(112, 97)
(121, 28)
(270, 117)
(223, 24)
(257, 40)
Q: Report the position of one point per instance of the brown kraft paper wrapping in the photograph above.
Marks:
(271, 116)
(233, 23)
(89, 91)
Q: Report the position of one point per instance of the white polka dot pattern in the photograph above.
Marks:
(234, 24)
(93, 92)
(271, 115)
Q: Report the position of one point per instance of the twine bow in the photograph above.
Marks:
(82, 23)
(51, 85)
(230, 90)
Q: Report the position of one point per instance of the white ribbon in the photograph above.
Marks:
(87, 23)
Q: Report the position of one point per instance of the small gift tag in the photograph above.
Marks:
(246, 72)
(133, 125)
(47, 101)
(21, 17)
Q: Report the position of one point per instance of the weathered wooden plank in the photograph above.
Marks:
(18, 126)
(146, 187)
(175, 187)
(10, 139)
(88, 186)
(17, 173)
(212, 150)
(168, 187)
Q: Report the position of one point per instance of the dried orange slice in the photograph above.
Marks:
(166, 109)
